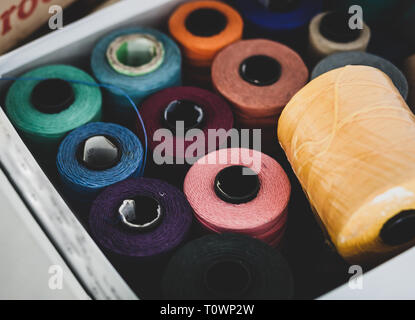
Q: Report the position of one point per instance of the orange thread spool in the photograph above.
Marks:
(203, 28)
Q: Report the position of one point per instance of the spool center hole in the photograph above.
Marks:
(206, 22)
(99, 153)
(237, 184)
(136, 52)
(52, 96)
(335, 27)
(260, 70)
(228, 279)
(400, 229)
(141, 212)
(183, 110)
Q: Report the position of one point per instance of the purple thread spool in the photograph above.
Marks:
(156, 230)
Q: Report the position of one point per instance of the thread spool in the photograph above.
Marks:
(285, 21)
(258, 77)
(198, 109)
(95, 156)
(410, 74)
(203, 28)
(239, 191)
(329, 32)
(353, 157)
(140, 218)
(227, 266)
(140, 61)
(342, 59)
(44, 111)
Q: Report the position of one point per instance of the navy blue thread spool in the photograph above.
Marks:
(285, 21)
(95, 156)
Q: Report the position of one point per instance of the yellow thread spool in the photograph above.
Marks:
(350, 138)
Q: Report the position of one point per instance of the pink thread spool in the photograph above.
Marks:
(240, 191)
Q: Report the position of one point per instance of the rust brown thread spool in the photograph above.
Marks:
(258, 77)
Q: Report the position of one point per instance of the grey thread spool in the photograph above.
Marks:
(342, 59)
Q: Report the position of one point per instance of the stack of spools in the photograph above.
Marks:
(140, 62)
(180, 121)
(348, 135)
(240, 191)
(44, 111)
(203, 28)
(354, 156)
(258, 77)
(282, 20)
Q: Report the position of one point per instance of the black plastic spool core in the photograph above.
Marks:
(282, 5)
(228, 278)
(102, 160)
(206, 22)
(400, 229)
(52, 96)
(234, 185)
(260, 70)
(183, 110)
(334, 26)
(147, 209)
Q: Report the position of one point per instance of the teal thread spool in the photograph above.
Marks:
(140, 61)
(44, 111)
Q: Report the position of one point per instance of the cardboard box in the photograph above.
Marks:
(19, 18)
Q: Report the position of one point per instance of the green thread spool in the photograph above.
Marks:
(44, 111)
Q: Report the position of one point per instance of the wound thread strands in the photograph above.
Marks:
(329, 32)
(203, 28)
(183, 111)
(95, 156)
(227, 266)
(240, 191)
(160, 206)
(140, 61)
(258, 77)
(342, 59)
(350, 138)
(44, 111)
